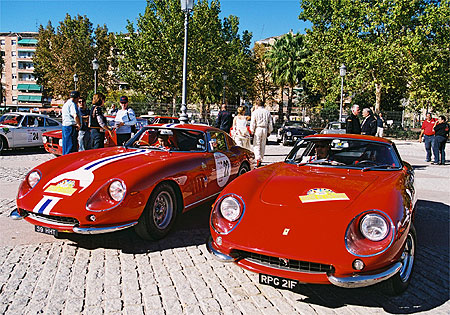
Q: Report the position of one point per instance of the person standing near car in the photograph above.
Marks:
(380, 124)
(261, 126)
(369, 124)
(241, 135)
(70, 123)
(224, 119)
(441, 132)
(125, 121)
(428, 135)
(84, 134)
(98, 122)
(352, 124)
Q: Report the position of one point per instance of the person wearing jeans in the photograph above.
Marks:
(70, 123)
(441, 132)
(427, 134)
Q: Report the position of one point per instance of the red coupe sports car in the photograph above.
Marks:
(161, 172)
(338, 210)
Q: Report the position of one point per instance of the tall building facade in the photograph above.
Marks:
(20, 89)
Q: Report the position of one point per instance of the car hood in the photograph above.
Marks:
(303, 183)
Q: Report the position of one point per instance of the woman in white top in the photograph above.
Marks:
(241, 135)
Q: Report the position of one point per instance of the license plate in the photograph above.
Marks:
(46, 230)
(278, 282)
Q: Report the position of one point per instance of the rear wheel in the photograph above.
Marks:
(159, 214)
(398, 283)
(3, 144)
(284, 141)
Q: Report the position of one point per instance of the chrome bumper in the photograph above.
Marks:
(100, 230)
(90, 230)
(216, 254)
(15, 215)
(358, 281)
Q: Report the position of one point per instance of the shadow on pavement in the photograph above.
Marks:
(24, 151)
(191, 229)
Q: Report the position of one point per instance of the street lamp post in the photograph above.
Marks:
(75, 79)
(224, 77)
(95, 68)
(186, 7)
(342, 72)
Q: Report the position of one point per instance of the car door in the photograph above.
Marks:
(220, 163)
(28, 135)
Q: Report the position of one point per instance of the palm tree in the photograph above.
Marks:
(287, 61)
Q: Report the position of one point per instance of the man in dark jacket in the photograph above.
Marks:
(352, 124)
(369, 124)
(224, 119)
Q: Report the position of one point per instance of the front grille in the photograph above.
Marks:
(287, 264)
(51, 219)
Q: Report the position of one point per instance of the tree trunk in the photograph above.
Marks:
(290, 96)
(280, 108)
(378, 88)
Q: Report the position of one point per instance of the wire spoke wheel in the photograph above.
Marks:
(163, 210)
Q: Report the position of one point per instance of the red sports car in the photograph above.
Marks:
(338, 210)
(161, 172)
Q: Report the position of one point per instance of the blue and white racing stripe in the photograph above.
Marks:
(101, 162)
(171, 125)
(46, 204)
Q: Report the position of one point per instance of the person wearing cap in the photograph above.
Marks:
(70, 123)
(124, 122)
(98, 122)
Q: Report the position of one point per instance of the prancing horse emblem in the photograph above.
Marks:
(286, 232)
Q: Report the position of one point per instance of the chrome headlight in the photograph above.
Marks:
(44, 139)
(288, 133)
(117, 190)
(33, 178)
(374, 227)
(230, 208)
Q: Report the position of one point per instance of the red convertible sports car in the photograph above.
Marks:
(338, 210)
(161, 172)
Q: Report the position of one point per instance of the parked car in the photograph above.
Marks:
(22, 129)
(343, 218)
(53, 139)
(334, 127)
(291, 131)
(141, 184)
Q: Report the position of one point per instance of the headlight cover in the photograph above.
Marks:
(60, 142)
(288, 133)
(230, 208)
(374, 227)
(117, 190)
(33, 178)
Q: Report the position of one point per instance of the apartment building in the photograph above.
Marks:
(20, 89)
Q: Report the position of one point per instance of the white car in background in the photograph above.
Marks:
(22, 129)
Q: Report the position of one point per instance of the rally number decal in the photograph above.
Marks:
(33, 136)
(223, 167)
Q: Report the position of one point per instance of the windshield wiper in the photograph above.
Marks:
(369, 168)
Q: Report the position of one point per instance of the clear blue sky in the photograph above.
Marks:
(262, 18)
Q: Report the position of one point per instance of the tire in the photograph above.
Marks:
(159, 214)
(243, 169)
(3, 144)
(284, 141)
(398, 283)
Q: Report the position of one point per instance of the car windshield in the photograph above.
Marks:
(350, 153)
(168, 139)
(11, 119)
(296, 124)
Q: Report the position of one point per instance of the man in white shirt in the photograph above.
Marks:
(261, 126)
(70, 123)
(124, 121)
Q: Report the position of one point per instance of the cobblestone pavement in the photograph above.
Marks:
(120, 273)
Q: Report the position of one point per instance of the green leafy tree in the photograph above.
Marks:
(69, 50)
(263, 85)
(377, 40)
(287, 61)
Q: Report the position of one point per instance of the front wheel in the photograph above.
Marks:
(3, 144)
(398, 283)
(243, 169)
(159, 214)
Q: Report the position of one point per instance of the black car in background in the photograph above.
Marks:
(291, 131)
